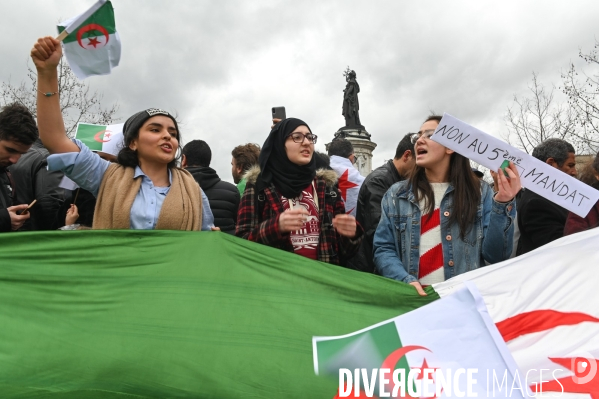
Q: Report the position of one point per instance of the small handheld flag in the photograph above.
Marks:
(90, 41)
(103, 138)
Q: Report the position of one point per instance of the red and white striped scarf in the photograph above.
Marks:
(431, 270)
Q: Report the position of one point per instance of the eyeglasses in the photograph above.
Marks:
(426, 134)
(299, 137)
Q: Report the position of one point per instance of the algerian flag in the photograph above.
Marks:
(103, 138)
(112, 314)
(92, 46)
(454, 336)
(546, 307)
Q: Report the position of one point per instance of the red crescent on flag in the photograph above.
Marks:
(389, 363)
(543, 320)
(396, 355)
(539, 320)
(89, 27)
(97, 136)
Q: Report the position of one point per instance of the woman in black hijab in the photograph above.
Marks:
(290, 205)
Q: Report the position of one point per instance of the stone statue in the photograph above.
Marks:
(361, 162)
(351, 105)
(353, 130)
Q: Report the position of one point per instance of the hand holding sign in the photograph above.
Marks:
(508, 187)
(537, 176)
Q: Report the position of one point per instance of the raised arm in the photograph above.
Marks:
(46, 55)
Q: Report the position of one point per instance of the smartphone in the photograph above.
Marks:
(278, 113)
(24, 211)
(504, 165)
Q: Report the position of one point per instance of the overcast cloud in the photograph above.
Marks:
(221, 65)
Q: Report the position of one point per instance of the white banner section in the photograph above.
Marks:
(541, 178)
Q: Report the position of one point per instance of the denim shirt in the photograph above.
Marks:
(87, 169)
(396, 245)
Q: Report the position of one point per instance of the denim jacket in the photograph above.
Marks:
(397, 239)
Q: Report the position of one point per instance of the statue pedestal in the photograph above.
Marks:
(363, 147)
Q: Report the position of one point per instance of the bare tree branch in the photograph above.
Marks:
(77, 102)
(534, 119)
(583, 97)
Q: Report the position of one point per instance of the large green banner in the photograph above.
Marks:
(169, 314)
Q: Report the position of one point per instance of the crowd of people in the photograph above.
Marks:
(421, 218)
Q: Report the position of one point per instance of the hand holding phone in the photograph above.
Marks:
(278, 113)
(16, 219)
(26, 210)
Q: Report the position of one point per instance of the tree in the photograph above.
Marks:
(583, 97)
(532, 120)
(77, 102)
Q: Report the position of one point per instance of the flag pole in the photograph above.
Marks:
(76, 23)
(76, 195)
(62, 35)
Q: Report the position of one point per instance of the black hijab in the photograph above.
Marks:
(290, 179)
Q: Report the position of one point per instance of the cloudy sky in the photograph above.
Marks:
(221, 65)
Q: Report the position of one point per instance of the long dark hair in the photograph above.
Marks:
(129, 157)
(466, 190)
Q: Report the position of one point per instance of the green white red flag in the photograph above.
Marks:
(93, 46)
(99, 138)
(113, 314)
(102, 138)
(546, 307)
(449, 348)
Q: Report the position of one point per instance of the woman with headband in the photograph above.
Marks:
(144, 189)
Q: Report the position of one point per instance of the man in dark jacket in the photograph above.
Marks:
(541, 221)
(222, 196)
(17, 132)
(371, 193)
(33, 181)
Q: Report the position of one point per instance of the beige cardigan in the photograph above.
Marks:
(181, 209)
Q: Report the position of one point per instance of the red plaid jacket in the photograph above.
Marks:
(258, 218)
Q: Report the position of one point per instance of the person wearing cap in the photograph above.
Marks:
(144, 189)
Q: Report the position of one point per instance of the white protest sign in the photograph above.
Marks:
(537, 176)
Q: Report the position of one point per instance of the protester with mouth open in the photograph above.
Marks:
(144, 189)
(443, 221)
(290, 205)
